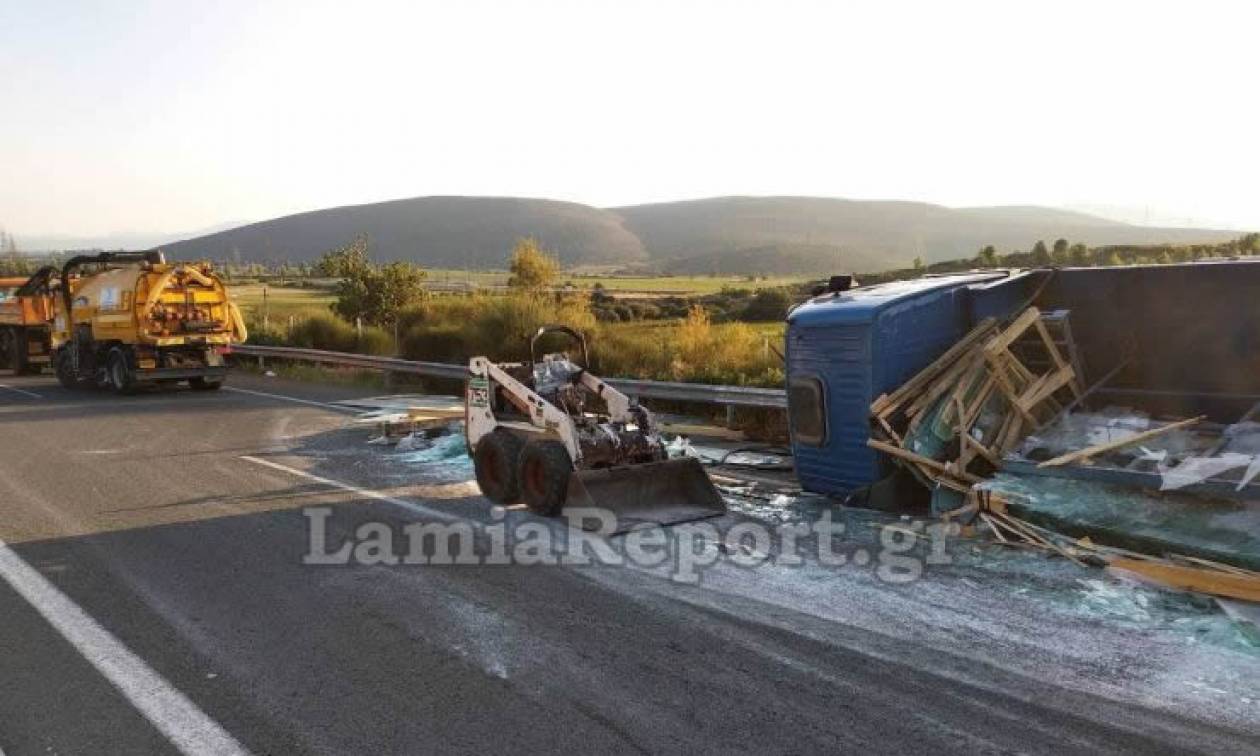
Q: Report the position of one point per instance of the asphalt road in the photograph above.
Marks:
(154, 599)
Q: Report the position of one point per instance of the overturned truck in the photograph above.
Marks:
(1110, 383)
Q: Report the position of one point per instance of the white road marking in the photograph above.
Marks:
(325, 405)
(23, 392)
(170, 711)
(367, 493)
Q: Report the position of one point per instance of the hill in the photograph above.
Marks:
(818, 235)
(448, 232)
(729, 235)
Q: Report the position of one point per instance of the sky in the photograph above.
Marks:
(174, 116)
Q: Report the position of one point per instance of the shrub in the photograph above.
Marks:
(645, 311)
(439, 343)
(767, 304)
(324, 331)
(496, 326)
(375, 341)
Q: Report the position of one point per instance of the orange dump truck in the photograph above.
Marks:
(26, 306)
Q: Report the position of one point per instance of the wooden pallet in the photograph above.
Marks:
(980, 396)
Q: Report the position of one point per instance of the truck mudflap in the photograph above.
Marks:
(645, 495)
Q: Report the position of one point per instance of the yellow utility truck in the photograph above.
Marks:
(25, 317)
(126, 319)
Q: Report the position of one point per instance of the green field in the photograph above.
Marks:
(680, 285)
(773, 330)
(281, 302)
(285, 301)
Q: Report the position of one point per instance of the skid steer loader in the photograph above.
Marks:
(553, 435)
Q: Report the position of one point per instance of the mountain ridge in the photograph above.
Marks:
(731, 235)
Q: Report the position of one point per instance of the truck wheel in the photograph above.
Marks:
(544, 473)
(201, 383)
(121, 378)
(21, 353)
(64, 368)
(495, 463)
(8, 349)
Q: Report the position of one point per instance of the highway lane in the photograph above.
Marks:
(149, 516)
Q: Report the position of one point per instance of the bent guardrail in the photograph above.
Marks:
(729, 396)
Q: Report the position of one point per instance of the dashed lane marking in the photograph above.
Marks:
(23, 392)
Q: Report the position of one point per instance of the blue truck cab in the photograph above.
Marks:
(845, 348)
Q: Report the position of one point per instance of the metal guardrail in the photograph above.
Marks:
(347, 359)
(729, 396)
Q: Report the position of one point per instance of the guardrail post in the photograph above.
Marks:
(730, 416)
(262, 362)
(389, 381)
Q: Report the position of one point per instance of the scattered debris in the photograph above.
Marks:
(1093, 451)
(1209, 580)
(952, 423)
(1008, 399)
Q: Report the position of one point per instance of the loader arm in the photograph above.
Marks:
(544, 418)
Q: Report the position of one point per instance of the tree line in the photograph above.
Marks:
(1063, 253)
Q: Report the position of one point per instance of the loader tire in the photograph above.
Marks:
(495, 463)
(544, 474)
(122, 379)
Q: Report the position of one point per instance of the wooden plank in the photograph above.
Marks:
(909, 456)
(993, 527)
(1007, 386)
(1073, 355)
(1012, 435)
(965, 383)
(1201, 562)
(1197, 579)
(924, 376)
(1051, 348)
(1097, 449)
(1000, 342)
(984, 451)
(1023, 528)
(892, 434)
(951, 484)
(1050, 383)
(977, 404)
(936, 388)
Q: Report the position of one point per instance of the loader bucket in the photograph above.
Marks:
(652, 493)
